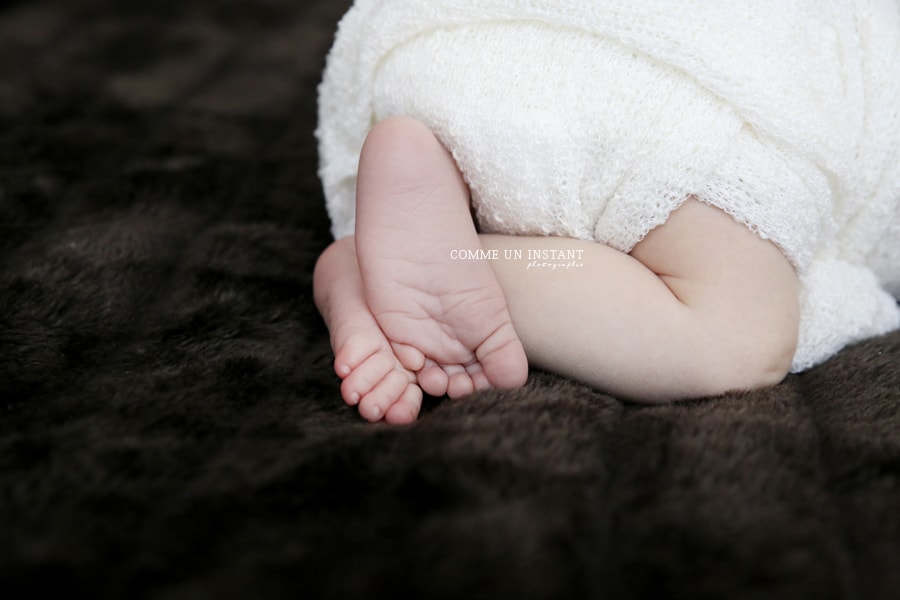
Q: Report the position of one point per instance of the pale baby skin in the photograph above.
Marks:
(699, 307)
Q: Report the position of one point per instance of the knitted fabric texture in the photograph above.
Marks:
(596, 120)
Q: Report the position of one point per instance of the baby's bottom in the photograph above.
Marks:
(699, 307)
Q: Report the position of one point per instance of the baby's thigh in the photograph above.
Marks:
(741, 287)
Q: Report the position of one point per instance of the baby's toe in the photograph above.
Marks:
(406, 409)
(432, 379)
(375, 405)
(503, 359)
(460, 383)
(366, 376)
(353, 351)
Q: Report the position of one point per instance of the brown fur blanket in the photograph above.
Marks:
(170, 425)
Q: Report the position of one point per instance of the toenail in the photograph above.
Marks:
(354, 398)
(343, 370)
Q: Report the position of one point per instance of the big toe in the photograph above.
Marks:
(503, 359)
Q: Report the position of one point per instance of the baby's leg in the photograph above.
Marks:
(700, 307)
(373, 378)
(412, 214)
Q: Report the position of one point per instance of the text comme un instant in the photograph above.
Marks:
(515, 254)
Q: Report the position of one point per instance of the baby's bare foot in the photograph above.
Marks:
(412, 215)
(373, 377)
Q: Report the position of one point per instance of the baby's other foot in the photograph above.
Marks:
(374, 380)
(412, 216)
(373, 377)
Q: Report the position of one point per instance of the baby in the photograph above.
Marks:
(652, 219)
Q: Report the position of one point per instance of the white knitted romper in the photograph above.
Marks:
(596, 119)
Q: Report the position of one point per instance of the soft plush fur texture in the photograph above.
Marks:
(170, 425)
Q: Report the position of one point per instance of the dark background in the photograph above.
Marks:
(170, 425)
